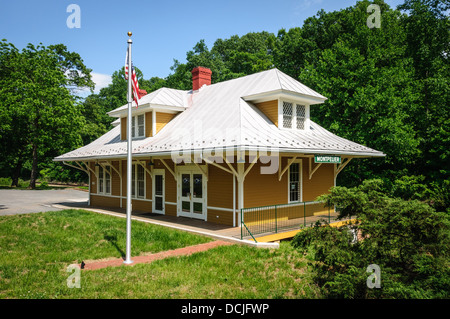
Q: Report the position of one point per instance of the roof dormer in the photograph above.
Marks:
(287, 102)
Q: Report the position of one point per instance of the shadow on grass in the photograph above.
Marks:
(112, 238)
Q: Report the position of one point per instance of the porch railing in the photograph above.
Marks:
(282, 217)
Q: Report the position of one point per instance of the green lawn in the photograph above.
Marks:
(37, 248)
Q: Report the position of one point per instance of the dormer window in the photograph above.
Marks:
(294, 115)
(287, 114)
(300, 111)
(138, 126)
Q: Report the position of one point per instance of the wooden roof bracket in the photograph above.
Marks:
(145, 168)
(90, 169)
(79, 167)
(281, 172)
(311, 172)
(251, 165)
(233, 171)
(200, 168)
(168, 168)
(341, 166)
(114, 168)
(221, 167)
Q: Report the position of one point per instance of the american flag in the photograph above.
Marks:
(135, 85)
(134, 82)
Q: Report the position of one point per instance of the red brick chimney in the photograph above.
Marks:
(142, 93)
(200, 77)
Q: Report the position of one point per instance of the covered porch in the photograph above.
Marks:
(210, 229)
(210, 188)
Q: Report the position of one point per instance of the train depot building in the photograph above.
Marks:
(218, 150)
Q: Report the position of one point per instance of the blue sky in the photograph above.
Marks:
(162, 30)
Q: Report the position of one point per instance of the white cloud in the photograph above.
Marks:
(100, 80)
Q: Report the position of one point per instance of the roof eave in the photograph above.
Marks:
(147, 107)
(281, 93)
(226, 148)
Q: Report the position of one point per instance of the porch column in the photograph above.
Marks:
(240, 179)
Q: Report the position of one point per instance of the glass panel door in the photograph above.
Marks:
(192, 200)
(186, 193)
(158, 192)
(197, 193)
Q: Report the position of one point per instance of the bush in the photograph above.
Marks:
(408, 240)
(5, 181)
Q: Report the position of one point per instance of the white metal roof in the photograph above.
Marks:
(163, 97)
(217, 116)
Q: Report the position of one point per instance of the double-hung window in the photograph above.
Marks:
(294, 115)
(137, 181)
(138, 126)
(104, 180)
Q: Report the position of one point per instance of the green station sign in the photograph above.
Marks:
(333, 159)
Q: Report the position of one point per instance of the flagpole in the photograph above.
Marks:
(129, 156)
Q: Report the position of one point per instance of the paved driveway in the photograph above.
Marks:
(15, 201)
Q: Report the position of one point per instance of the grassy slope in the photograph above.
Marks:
(37, 248)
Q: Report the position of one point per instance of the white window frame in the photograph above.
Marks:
(101, 179)
(135, 127)
(300, 168)
(294, 115)
(135, 182)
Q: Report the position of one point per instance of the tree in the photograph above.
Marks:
(369, 84)
(41, 116)
(428, 38)
(408, 240)
(96, 106)
(228, 59)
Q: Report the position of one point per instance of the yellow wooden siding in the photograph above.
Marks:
(148, 124)
(162, 119)
(264, 189)
(170, 210)
(320, 183)
(123, 128)
(104, 201)
(220, 188)
(270, 109)
(141, 205)
(220, 217)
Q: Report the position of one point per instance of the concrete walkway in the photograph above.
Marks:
(185, 251)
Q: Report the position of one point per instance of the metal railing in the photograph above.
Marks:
(282, 217)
